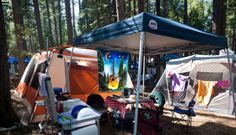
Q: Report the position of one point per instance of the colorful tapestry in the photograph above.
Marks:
(112, 70)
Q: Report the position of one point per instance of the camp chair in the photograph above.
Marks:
(46, 90)
(185, 114)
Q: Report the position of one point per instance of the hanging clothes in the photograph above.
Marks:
(38, 68)
(42, 85)
(179, 82)
(205, 91)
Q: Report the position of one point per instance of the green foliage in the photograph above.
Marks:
(121, 67)
(176, 10)
(94, 14)
(100, 62)
(230, 20)
(200, 15)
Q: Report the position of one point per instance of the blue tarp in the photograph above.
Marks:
(169, 57)
(14, 60)
(160, 33)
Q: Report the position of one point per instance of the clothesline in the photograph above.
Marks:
(205, 90)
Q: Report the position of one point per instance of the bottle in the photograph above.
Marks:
(59, 107)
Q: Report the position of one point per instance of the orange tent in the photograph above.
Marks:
(76, 73)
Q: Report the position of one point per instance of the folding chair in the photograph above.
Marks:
(185, 114)
(49, 102)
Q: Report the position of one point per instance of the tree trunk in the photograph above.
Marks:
(158, 7)
(234, 31)
(158, 66)
(59, 20)
(147, 7)
(110, 11)
(129, 8)
(73, 12)
(234, 38)
(140, 6)
(165, 8)
(79, 4)
(135, 7)
(28, 23)
(219, 17)
(38, 23)
(68, 21)
(185, 11)
(113, 10)
(55, 22)
(19, 31)
(120, 10)
(186, 18)
(7, 115)
(98, 16)
(51, 43)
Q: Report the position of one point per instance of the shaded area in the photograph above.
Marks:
(201, 125)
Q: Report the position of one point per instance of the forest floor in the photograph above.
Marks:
(201, 125)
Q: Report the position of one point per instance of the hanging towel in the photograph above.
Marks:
(179, 82)
(224, 84)
(42, 85)
(205, 90)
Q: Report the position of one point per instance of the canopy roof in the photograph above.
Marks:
(161, 36)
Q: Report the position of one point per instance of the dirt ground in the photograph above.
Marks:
(201, 125)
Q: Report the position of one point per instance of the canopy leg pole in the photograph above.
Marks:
(144, 61)
(231, 90)
(141, 44)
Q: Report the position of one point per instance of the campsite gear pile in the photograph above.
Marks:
(121, 103)
(80, 118)
(34, 86)
(74, 115)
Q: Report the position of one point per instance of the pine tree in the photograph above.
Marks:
(8, 116)
(38, 23)
(68, 20)
(19, 32)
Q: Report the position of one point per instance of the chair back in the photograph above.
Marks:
(191, 103)
(46, 86)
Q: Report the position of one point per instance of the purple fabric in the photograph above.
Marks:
(179, 82)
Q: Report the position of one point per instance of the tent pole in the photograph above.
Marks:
(231, 90)
(168, 90)
(144, 61)
(67, 85)
(141, 44)
(47, 47)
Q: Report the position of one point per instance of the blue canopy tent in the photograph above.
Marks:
(147, 34)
